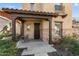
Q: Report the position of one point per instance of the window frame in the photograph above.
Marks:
(61, 30)
(32, 6)
(58, 7)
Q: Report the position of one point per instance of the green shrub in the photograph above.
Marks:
(75, 49)
(71, 44)
(4, 35)
(7, 48)
(1, 36)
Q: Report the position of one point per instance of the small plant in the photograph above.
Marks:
(7, 48)
(71, 44)
(1, 36)
(5, 32)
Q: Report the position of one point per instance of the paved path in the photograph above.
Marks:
(37, 48)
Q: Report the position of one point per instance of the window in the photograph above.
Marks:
(58, 7)
(32, 6)
(57, 3)
(58, 28)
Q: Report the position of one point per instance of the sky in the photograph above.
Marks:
(75, 7)
(75, 10)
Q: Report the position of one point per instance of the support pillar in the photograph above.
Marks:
(50, 30)
(14, 29)
(22, 29)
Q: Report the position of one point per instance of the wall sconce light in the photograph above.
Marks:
(28, 27)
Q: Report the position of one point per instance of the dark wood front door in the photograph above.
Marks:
(36, 30)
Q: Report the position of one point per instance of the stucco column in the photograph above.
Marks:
(14, 29)
(50, 30)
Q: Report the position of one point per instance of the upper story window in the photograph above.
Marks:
(58, 7)
(32, 6)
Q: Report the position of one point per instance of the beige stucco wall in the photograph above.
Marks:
(3, 22)
(49, 7)
(30, 22)
(18, 27)
(45, 30)
(67, 24)
(29, 32)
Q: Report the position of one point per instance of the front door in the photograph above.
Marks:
(36, 30)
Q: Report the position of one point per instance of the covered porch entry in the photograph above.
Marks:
(24, 14)
(33, 28)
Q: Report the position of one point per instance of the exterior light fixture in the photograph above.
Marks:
(28, 27)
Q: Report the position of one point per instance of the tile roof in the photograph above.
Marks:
(29, 12)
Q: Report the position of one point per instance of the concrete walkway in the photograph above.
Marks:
(37, 48)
